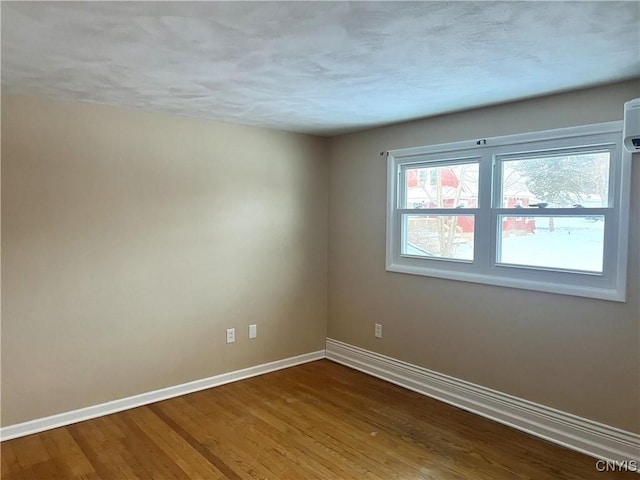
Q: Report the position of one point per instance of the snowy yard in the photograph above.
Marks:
(576, 244)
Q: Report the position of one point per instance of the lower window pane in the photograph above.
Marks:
(560, 242)
(440, 236)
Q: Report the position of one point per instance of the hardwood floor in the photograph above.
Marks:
(315, 421)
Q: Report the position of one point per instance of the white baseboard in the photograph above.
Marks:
(74, 416)
(580, 434)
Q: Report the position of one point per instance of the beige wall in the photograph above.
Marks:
(578, 355)
(131, 242)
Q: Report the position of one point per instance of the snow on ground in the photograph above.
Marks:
(576, 244)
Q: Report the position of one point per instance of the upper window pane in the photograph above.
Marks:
(561, 181)
(442, 186)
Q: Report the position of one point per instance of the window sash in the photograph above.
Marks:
(403, 220)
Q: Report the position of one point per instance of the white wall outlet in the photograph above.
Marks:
(253, 331)
(378, 330)
(231, 335)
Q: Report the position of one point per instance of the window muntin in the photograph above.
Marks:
(594, 213)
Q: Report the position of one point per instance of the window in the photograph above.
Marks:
(543, 211)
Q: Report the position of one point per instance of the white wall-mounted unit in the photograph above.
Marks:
(631, 130)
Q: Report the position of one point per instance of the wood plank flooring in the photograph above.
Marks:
(315, 421)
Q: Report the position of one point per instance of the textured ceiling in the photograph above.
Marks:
(314, 67)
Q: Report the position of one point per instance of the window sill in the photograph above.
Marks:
(615, 295)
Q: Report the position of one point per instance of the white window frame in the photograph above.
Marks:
(610, 285)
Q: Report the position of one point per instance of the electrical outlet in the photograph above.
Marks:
(231, 335)
(378, 330)
(253, 331)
